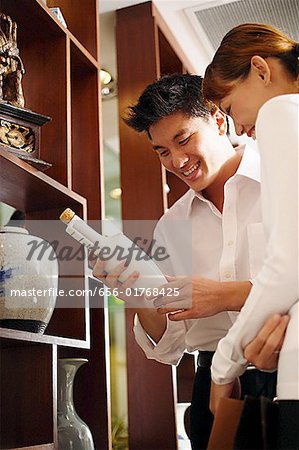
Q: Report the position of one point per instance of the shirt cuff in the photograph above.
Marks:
(171, 346)
(224, 370)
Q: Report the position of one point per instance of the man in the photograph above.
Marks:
(223, 210)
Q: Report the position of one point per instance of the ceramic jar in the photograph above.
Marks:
(28, 280)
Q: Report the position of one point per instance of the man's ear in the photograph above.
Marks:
(220, 120)
(260, 67)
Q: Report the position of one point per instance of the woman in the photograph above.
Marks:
(254, 78)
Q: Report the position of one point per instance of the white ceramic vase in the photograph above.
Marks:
(28, 281)
(183, 440)
(73, 433)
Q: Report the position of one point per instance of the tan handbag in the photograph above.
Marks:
(246, 424)
(225, 424)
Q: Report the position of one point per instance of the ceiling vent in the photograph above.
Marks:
(214, 19)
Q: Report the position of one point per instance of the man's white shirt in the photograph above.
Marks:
(203, 242)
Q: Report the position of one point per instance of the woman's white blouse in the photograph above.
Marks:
(275, 288)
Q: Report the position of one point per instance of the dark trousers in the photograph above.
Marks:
(201, 418)
(253, 382)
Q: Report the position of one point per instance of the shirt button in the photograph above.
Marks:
(230, 243)
(228, 275)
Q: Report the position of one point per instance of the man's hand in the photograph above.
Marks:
(230, 390)
(152, 322)
(111, 280)
(200, 297)
(264, 350)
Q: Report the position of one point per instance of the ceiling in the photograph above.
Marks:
(189, 48)
(213, 21)
(112, 5)
(196, 27)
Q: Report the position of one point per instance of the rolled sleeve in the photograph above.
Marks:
(171, 346)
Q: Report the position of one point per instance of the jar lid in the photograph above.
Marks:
(17, 230)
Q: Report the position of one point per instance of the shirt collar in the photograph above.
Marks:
(192, 196)
(249, 167)
(250, 163)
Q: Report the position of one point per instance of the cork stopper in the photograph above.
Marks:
(67, 215)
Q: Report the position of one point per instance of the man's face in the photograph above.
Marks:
(190, 147)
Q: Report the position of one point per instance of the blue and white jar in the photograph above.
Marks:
(28, 282)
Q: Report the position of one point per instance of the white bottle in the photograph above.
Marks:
(150, 275)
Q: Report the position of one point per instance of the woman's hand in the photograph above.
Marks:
(264, 350)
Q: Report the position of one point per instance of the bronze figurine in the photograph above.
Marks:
(11, 65)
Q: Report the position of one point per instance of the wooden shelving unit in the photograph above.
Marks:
(61, 81)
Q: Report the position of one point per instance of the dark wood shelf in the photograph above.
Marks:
(37, 447)
(17, 338)
(73, 12)
(62, 82)
(48, 96)
(85, 137)
(81, 50)
(48, 39)
(36, 190)
(80, 59)
(28, 419)
(32, 11)
(47, 26)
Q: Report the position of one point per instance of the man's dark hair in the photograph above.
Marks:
(168, 95)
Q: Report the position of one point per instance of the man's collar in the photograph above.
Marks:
(192, 196)
(249, 167)
(250, 163)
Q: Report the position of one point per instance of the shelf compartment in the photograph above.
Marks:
(32, 12)
(68, 323)
(48, 97)
(69, 318)
(85, 131)
(81, 19)
(93, 371)
(27, 405)
(68, 327)
(35, 190)
(43, 52)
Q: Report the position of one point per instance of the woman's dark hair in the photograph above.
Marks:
(232, 61)
(168, 95)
